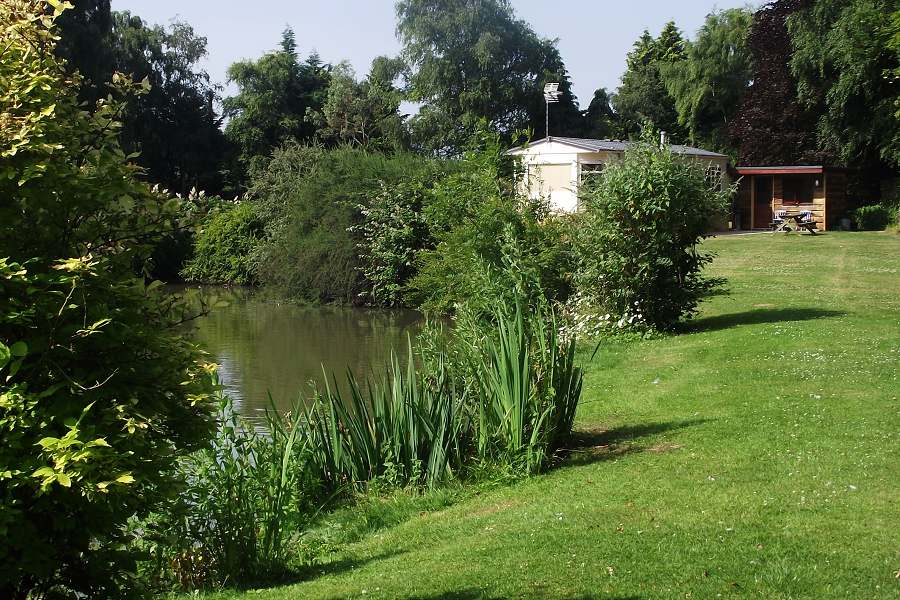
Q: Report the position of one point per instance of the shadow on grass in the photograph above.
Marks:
(757, 316)
(310, 572)
(594, 445)
(475, 594)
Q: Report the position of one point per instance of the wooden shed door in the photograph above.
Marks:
(762, 210)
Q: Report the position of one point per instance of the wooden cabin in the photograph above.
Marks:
(763, 190)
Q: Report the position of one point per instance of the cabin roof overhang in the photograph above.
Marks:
(592, 145)
(781, 170)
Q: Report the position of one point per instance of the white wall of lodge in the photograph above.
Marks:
(554, 171)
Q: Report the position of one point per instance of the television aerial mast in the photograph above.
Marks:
(551, 96)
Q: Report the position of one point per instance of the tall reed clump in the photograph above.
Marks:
(406, 427)
(528, 389)
(502, 388)
(244, 497)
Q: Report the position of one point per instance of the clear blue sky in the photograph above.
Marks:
(594, 35)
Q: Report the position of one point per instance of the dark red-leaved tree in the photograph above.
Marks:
(771, 127)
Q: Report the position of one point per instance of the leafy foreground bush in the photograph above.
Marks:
(872, 218)
(98, 399)
(637, 241)
(223, 247)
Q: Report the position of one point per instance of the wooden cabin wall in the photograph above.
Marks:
(836, 185)
(742, 203)
(816, 207)
(819, 203)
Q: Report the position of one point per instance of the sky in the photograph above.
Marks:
(594, 35)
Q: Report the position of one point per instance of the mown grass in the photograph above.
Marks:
(754, 455)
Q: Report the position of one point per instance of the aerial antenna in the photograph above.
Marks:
(551, 96)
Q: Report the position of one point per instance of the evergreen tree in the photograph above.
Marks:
(173, 126)
(86, 46)
(643, 96)
(600, 121)
(275, 93)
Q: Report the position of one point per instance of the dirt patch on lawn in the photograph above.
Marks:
(494, 508)
(664, 447)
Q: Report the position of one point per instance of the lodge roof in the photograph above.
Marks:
(593, 145)
(778, 169)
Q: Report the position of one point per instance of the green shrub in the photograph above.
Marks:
(470, 213)
(98, 397)
(637, 240)
(223, 247)
(872, 218)
(394, 230)
(308, 200)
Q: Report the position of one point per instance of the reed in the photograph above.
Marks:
(529, 389)
(404, 428)
(509, 397)
(243, 499)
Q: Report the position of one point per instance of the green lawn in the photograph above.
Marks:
(753, 456)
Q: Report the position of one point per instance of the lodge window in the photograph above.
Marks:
(797, 189)
(591, 171)
(714, 176)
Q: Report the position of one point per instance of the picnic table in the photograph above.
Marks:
(783, 221)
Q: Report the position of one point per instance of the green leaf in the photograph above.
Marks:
(4, 355)
(20, 348)
(14, 368)
(63, 480)
(98, 442)
(43, 472)
(125, 479)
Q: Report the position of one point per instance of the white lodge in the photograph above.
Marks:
(555, 166)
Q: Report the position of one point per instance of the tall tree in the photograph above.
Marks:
(275, 93)
(473, 59)
(770, 126)
(173, 125)
(85, 43)
(600, 120)
(842, 62)
(643, 96)
(708, 84)
(364, 113)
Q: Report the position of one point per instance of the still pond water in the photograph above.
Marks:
(263, 347)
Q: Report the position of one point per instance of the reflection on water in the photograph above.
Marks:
(263, 347)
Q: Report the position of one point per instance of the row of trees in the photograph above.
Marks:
(797, 80)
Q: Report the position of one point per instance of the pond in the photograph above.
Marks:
(263, 347)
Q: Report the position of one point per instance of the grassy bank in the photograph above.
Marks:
(754, 455)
